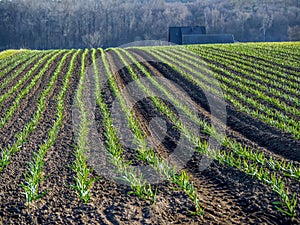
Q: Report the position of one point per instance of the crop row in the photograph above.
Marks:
(288, 202)
(286, 167)
(234, 146)
(273, 106)
(253, 155)
(270, 171)
(148, 155)
(277, 110)
(272, 71)
(33, 177)
(231, 92)
(9, 53)
(284, 52)
(16, 73)
(21, 136)
(239, 77)
(267, 80)
(23, 92)
(278, 52)
(274, 55)
(83, 181)
(127, 173)
(246, 55)
(269, 56)
(9, 65)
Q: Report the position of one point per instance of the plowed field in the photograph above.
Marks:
(201, 134)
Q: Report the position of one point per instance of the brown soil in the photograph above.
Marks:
(227, 195)
(264, 135)
(12, 69)
(263, 102)
(27, 105)
(248, 77)
(259, 61)
(295, 70)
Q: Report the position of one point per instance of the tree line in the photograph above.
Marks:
(47, 24)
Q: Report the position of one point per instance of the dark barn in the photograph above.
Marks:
(196, 35)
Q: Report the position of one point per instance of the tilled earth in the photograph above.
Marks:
(227, 195)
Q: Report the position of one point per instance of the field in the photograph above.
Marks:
(8, 53)
(199, 134)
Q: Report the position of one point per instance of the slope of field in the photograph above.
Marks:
(8, 53)
(201, 134)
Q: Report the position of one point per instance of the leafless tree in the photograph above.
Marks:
(294, 33)
(93, 40)
(83, 23)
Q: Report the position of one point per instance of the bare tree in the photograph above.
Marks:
(294, 33)
(267, 22)
(85, 23)
(93, 40)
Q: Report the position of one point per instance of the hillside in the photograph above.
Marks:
(70, 24)
(199, 134)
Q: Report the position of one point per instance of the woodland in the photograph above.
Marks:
(50, 24)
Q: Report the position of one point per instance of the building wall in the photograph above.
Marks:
(196, 35)
(207, 39)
